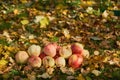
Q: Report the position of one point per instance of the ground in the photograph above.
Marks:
(94, 24)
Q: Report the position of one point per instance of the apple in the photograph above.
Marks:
(65, 51)
(34, 61)
(75, 61)
(21, 57)
(56, 56)
(34, 50)
(42, 55)
(48, 61)
(77, 48)
(60, 62)
(50, 50)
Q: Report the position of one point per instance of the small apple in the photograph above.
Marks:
(75, 61)
(65, 51)
(48, 61)
(21, 57)
(34, 50)
(60, 62)
(77, 48)
(35, 61)
(50, 50)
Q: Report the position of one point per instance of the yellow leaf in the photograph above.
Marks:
(65, 12)
(66, 33)
(23, 1)
(24, 22)
(3, 63)
(16, 11)
(80, 77)
(44, 22)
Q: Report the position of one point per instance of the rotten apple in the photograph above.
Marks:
(65, 51)
(48, 61)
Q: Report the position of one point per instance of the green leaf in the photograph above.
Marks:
(88, 78)
(3, 42)
(55, 39)
(14, 72)
(117, 26)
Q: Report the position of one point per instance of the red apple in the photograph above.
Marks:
(65, 51)
(21, 57)
(77, 48)
(60, 62)
(75, 61)
(42, 55)
(56, 56)
(50, 50)
(48, 61)
(35, 61)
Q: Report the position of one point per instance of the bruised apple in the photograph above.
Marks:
(48, 61)
(21, 57)
(75, 61)
(34, 50)
(60, 62)
(50, 50)
(65, 51)
(77, 48)
(34, 61)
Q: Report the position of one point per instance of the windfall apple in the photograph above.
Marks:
(77, 48)
(35, 61)
(60, 62)
(48, 61)
(65, 51)
(50, 50)
(34, 50)
(75, 61)
(21, 57)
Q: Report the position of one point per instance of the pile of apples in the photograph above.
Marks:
(53, 55)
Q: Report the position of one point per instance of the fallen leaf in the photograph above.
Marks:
(3, 64)
(96, 72)
(16, 11)
(66, 33)
(90, 10)
(80, 77)
(105, 14)
(24, 22)
(44, 22)
(117, 26)
(95, 38)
